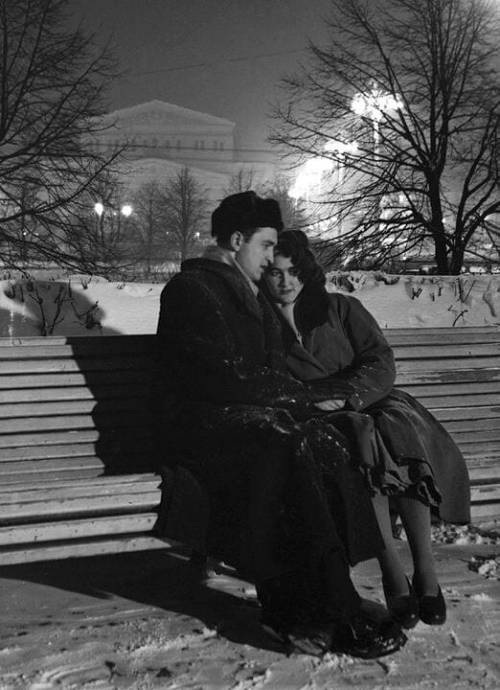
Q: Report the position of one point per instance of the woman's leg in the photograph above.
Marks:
(416, 518)
(393, 574)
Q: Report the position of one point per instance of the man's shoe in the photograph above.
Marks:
(299, 637)
(403, 608)
(360, 637)
(368, 639)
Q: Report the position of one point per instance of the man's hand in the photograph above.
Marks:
(330, 405)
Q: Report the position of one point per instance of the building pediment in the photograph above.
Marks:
(158, 117)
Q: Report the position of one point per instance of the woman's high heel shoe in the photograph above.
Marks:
(404, 608)
(432, 608)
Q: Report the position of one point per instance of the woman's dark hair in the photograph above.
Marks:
(294, 245)
(311, 309)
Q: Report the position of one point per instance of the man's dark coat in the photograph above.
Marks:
(281, 488)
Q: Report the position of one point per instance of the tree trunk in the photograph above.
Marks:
(457, 259)
(438, 230)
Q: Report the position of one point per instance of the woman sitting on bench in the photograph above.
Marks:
(411, 464)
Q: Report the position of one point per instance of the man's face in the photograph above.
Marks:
(256, 254)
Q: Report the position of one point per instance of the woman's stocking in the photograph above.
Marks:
(416, 519)
(393, 574)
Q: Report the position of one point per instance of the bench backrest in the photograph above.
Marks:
(77, 408)
(74, 407)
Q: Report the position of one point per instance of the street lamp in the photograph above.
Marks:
(373, 105)
(341, 149)
(309, 177)
(99, 208)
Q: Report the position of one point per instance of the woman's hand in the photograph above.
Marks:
(330, 405)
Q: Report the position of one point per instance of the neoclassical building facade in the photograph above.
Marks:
(159, 139)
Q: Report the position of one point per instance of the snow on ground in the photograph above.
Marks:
(85, 305)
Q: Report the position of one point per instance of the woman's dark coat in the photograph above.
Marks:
(406, 446)
(276, 487)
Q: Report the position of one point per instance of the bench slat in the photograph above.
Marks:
(93, 489)
(63, 437)
(125, 404)
(475, 351)
(467, 413)
(73, 474)
(87, 499)
(476, 426)
(64, 365)
(437, 376)
(485, 511)
(78, 403)
(97, 546)
(453, 364)
(112, 419)
(125, 411)
(90, 379)
(83, 481)
(454, 389)
(91, 505)
(43, 465)
(36, 359)
(467, 334)
(489, 492)
(71, 346)
(69, 449)
(77, 528)
(457, 402)
(70, 393)
(481, 449)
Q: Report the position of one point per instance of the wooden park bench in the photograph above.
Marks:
(75, 444)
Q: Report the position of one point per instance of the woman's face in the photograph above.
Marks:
(283, 281)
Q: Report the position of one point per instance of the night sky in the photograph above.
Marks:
(223, 57)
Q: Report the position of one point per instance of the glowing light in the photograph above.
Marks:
(99, 208)
(127, 210)
(375, 103)
(335, 146)
(309, 177)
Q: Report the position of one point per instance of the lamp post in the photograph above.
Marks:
(374, 104)
(342, 150)
(99, 211)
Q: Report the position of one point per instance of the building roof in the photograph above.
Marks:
(160, 111)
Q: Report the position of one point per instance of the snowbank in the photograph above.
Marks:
(78, 305)
(84, 305)
(417, 301)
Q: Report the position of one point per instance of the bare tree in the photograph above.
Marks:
(150, 223)
(52, 83)
(293, 210)
(186, 205)
(101, 237)
(243, 180)
(404, 103)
